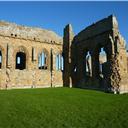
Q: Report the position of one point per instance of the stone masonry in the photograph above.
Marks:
(84, 63)
(31, 42)
(95, 58)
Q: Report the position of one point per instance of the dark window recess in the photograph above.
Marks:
(0, 59)
(20, 60)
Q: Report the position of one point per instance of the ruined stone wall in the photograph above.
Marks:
(123, 64)
(111, 75)
(32, 76)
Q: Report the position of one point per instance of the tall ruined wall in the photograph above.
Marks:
(67, 51)
(14, 38)
(110, 75)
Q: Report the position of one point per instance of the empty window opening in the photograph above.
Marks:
(43, 61)
(20, 60)
(75, 69)
(0, 59)
(88, 65)
(102, 61)
(59, 62)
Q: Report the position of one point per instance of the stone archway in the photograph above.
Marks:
(21, 54)
(20, 60)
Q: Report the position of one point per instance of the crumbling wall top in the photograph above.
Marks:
(102, 26)
(31, 33)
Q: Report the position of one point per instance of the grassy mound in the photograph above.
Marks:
(62, 107)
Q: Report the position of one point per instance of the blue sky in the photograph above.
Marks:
(55, 15)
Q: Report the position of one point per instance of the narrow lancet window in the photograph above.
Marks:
(59, 62)
(42, 61)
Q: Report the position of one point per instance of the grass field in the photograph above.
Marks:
(62, 107)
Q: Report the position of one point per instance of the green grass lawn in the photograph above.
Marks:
(62, 107)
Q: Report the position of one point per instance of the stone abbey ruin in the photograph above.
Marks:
(95, 58)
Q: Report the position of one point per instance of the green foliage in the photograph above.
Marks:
(62, 108)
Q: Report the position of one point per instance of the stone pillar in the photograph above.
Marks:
(53, 68)
(9, 65)
(113, 76)
(54, 60)
(8, 58)
(95, 64)
(84, 64)
(81, 67)
(67, 44)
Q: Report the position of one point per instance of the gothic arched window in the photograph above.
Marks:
(59, 62)
(42, 60)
